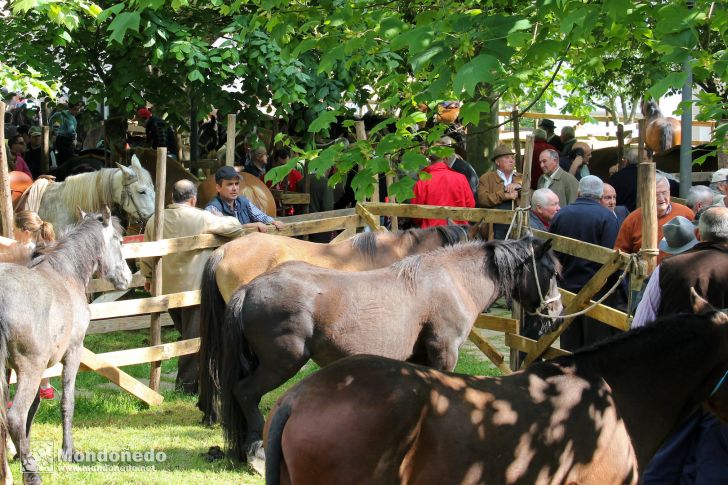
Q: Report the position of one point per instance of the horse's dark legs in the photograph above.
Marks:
(442, 355)
(249, 391)
(71, 360)
(19, 418)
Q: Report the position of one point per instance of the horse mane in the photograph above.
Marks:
(90, 191)
(506, 257)
(366, 242)
(71, 254)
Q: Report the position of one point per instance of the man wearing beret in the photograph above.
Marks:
(229, 202)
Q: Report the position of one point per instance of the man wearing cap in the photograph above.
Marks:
(445, 187)
(182, 271)
(555, 178)
(499, 188)
(34, 152)
(64, 126)
(697, 452)
(539, 145)
(551, 138)
(629, 239)
(159, 133)
(719, 184)
(229, 202)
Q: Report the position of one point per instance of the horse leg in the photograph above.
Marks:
(442, 354)
(71, 361)
(19, 423)
(248, 393)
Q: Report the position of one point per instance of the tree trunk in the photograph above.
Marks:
(116, 126)
(483, 138)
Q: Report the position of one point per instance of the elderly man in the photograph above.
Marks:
(585, 220)
(609, 200)
(562, 183)
(183, 271)
(544, 206)
(625, 181)
(460, 165)
(719, 184)
(697, 452)
(630, 234)
(499, 188)
(551, 138)
(539, 145)
(700, 198)
(568, 138)
(229, 202)
(445, 187)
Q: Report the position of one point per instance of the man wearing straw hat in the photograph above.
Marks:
(499, 188)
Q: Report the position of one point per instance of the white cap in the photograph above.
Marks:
(720, 175)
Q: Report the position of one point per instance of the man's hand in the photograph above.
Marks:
(279, 225)
(514, 187)
(578, 161)
(614, 169)
(261, 227)
(148, 286)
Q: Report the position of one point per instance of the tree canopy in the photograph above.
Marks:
(311, 62)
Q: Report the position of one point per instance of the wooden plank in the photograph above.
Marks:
(434, 212)
(596, 117)
(291, 198)
(496, 323)
(648, 202)
(369, 219)
(98, 285)
(343, 235)
(6, 201)
(315, 216)
(230, 141)
(141, 306)
(607, 315)
(490, 352)
(120, 378)
(525, 344)
(581, 249)
(106, 325)
(590, 289)
(155, 327)
(202, 241)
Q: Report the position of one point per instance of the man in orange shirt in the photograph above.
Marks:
(629, 238)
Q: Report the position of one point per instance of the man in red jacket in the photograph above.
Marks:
(446, 187)
(539, 144)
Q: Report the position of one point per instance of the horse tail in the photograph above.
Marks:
(236, 363)
(666, 140)
(212, 308)
(274, 448)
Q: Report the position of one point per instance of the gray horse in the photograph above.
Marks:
(44, 315)
(131, 188)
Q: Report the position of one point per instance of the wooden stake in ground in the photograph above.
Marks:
(6, 199)
(648, 202)
(155, 329)
(230, 143)
(517, 139)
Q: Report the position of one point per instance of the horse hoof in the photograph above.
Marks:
(208, 420)
(31, 478)
(68, 456)
(255, 456)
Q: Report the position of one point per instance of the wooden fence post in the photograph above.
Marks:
(155, 329)
(6, 199)
(517, 139)
(648, 203)
(45, 150)
(230, 143)
(620, 145)
(525, 199)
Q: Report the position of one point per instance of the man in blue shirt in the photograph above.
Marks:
(229, 202)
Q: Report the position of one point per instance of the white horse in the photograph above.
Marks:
(130, 188)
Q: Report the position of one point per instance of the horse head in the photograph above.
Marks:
(137, 191)
(538, 290)
(718, 398)
(650, 109)
(111, 264)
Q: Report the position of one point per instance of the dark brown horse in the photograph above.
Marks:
(661, 132)
(420, 309)
(592, 418)
(239, 261)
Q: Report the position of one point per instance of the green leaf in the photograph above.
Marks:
(673, 80)
(121, 24)
(402, 189)
(105, 14)
(322, 122)
(413, 162)
(470, 112)
(482, 69)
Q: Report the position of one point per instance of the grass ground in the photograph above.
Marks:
(107, 419)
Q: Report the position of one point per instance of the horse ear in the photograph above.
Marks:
(106, 213)
(544, 247)
(79, 213)
(700, 305)
(135, 162)
(126, 170)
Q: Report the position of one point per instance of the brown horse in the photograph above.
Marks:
(420, 309)
(593, 418)
(661, 132)
(239, 261)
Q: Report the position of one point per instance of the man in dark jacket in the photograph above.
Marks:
(551, 138)
(586, 220)
(159, 133)
(625, 181)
